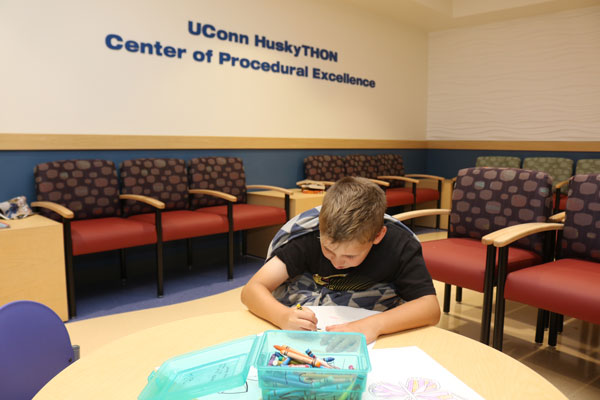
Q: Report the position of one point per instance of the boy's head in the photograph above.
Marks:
(351, 220)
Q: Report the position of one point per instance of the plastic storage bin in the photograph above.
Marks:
(349, 350)
(225, 366)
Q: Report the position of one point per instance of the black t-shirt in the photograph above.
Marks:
(397, 259)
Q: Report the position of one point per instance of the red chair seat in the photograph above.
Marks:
(425, 195)
(461, 261)
(248, 216)
(104, 234)
(567, 286)
(183, 224)
(399, 197)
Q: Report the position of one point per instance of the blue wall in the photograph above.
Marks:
(269, 167)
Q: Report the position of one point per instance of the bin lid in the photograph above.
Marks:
(211, 370)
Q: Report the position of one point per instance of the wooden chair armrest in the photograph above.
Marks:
(559, 218)
(143, 199)
(57, 208)
(398, 178)
(215, 193)
(421, 213)
(379, 182)
(561, 184)
(424, 176)
(513, 233)
(269, 187)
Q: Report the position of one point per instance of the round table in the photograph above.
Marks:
(119, 370)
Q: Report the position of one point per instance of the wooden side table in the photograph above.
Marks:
(32, 263)
(259, 239)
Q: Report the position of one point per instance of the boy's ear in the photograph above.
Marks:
(380, 235)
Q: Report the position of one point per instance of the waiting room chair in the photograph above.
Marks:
(484, 201)
(587, 166)
(166, 181)
(324, 168)
(560, 170)
(569, 285)
(84, 195)
(498, 161)
(391, 169)
(225, 176)
(34, 347)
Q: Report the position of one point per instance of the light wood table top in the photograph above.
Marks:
(119, 370)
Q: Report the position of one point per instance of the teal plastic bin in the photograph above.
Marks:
(225, 366)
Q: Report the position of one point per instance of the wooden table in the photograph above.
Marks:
(119, 370)
(32, 263)
(259, 239)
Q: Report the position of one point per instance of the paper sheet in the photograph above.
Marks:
(333, 315)
(408, 373)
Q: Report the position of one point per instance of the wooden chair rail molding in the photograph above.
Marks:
(14, 141)
(17, 141)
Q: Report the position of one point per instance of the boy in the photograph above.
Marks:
(348, 253)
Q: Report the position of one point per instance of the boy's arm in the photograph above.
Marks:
(412, 314)
(257, 296)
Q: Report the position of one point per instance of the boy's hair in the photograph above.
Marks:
(353, 209)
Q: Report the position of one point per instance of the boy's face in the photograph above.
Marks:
(348, 254)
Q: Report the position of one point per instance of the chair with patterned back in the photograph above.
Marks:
(365, 166)
(587, 166)
(560, 170)
(166, 180)
(498, 161)
(484, 201)
(226, 176)
(85, 196)
(324, 168)
(34, 347)
(391, 169)
(568, 285)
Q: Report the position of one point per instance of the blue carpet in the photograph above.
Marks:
(112, 297)
(100, 292)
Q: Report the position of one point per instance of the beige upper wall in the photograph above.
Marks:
(534, 78)
(58, 76)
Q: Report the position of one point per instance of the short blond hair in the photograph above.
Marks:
(353, 209)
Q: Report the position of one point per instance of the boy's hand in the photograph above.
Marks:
(360, 326)
(302, 319)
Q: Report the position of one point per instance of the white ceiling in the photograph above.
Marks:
(434, 15)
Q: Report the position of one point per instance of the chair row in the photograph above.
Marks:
(491, 207)
(156, 200)
(385, 169)
(560, 170)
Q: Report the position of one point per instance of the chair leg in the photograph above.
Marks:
(552, 331)
(561, 323)
(458, 294)
(447, 294)
(159, 255)
(230, 241)
(190, 254)
(123, 266)
(500, 301)
(539, 327)
(488, 291)
(69, 268)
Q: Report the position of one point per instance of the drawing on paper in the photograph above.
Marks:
(414, 389)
